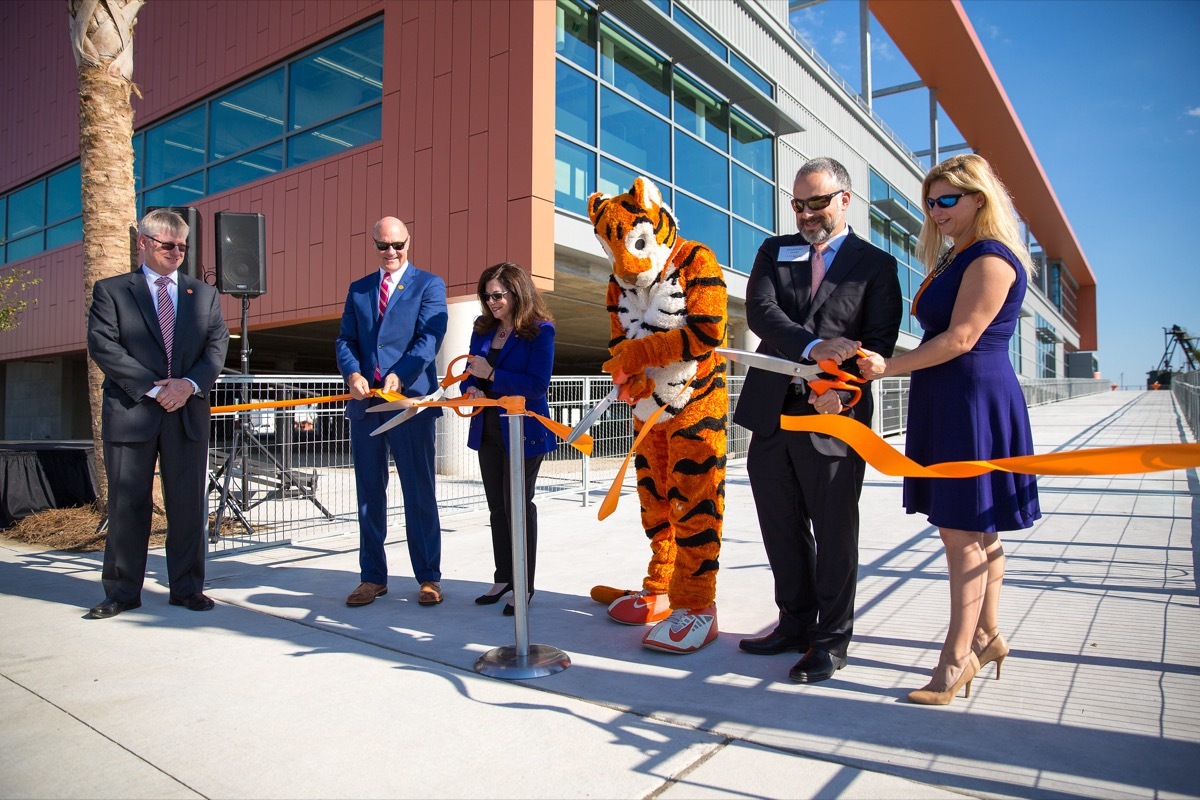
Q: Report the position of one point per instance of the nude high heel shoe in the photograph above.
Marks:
(931, 696)
(996, 650)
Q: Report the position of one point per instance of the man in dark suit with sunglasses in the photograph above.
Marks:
(814, 295)
(392, 327)
(159, 337)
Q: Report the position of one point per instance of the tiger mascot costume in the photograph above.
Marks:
(667, 310)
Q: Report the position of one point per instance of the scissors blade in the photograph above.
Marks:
(403, 404)
(770, 363)
(590, 418)
(410, 412)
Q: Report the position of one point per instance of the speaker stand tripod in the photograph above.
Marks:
(238, 453)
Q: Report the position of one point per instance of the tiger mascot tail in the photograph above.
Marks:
(667, 311)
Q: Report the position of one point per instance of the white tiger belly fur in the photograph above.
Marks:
(644, 312)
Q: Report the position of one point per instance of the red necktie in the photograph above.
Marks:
(383, 298)
(818, 270)
(166, 318)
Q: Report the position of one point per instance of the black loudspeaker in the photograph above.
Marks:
(241, 253)
(192, 264)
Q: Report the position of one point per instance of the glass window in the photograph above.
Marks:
(139, 161)
(751, 74)
(699, 112)
(246, 168)
(634, 70)
(701, 170)
(879, 187)
(63, 194)
(175, 147)
(746, 241)
(336, 137)
(753, 198)
(247, 116)
(633, 134)
(616, 179)
(879, 228)
(753, 146)
(574, 176)
(181, 192)
(574, 35)
(709, 225)
(700, 32)
(575, 104)
(663, 6)
(65, 233)
(345, 75)
(25, 247)
(3, 211)
(26, 210)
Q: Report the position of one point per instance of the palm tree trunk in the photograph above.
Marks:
(102, 39)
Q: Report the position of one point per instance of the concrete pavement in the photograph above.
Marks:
(284, 691)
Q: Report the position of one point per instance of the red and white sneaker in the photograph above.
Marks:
(686, 630)
(640, 609)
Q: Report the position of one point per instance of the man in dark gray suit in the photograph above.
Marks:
(818, 294)
(160, 339)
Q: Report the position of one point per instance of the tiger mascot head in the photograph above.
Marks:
(636, 230)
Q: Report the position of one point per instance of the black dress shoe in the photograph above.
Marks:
(817, 665)
(112, 606)
(488, 599)
(194, 602)
(773, 644)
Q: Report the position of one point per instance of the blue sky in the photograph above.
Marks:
(1107, 91)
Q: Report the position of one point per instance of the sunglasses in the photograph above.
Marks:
(814, 203)
(492, 295)
(397, 246)
(167, 246)
(946, 200)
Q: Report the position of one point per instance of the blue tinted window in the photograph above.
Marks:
(634, 70)
(753, 147)
(66, 233)
(139, 161)
(633, 134)
(345, 75)
(663, 5)
(616, 179)
(181, 192)
(753, 198)
(751, 74)
(703, 223)
(26, 210)
(3, 212)
(63, 194)
(575, 104)
(246, 168)
(699, 112)
(574, 35)
(175, 147)
(574, 176)
(337, 137)
(701, 170)
(247, 116)
(746, 241)
(700, 32)
(25, 247)
(879, 187)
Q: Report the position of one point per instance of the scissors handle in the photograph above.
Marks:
(451, 378)
(843, 380)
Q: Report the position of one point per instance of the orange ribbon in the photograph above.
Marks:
(512, 405)
(882, 456)
(303, 401)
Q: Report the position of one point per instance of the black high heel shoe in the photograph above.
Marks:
(510, 610)
(489, 599)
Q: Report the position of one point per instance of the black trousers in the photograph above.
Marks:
(807, 506)
(494, 467)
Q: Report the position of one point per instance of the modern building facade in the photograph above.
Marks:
(485, 125)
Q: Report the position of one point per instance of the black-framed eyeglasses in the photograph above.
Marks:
(168, 246)
(946, 200)
(397, 246)
(492, 295)
(814, 203)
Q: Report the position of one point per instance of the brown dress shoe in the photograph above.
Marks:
(431, 593)
(365, 594)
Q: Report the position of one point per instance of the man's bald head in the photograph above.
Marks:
(391, 241)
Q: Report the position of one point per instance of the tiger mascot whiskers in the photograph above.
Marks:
(667, 311)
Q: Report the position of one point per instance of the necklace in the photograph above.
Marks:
(504, 333)
(943, 263)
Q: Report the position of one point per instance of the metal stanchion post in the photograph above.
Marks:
(521, 660)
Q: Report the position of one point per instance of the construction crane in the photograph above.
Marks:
(1175, 339)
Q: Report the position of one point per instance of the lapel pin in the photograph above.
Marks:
(189, 291)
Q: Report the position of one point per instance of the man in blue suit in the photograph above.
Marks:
(392, 327)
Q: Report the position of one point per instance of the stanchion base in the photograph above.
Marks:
(503, 662)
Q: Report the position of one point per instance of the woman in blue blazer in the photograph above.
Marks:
(512, 353)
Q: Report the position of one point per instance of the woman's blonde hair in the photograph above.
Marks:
(996, 220)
